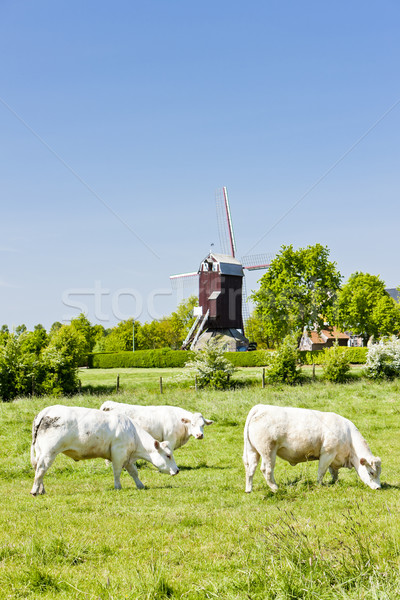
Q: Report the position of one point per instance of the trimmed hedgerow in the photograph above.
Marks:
(257, 358)
(168, 358)
(163, 357)
(356, 356)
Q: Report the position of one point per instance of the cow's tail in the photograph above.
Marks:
(246, 440)
(35, 428)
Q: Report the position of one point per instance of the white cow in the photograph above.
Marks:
(165, 423)
(298, 435)
(83, 433)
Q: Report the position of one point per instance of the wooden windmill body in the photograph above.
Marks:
(221, 290)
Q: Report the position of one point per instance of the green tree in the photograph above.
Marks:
(120, 337)
(4, 334)
(298, 291)
(366, 309)
(211, 367)
(61, 359)
(91, 333)
(257, 331)
(34, 341)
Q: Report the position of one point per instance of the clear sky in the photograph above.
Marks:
(120, 120)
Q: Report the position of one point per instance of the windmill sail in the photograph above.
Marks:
(225, 227)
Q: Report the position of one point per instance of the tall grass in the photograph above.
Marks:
(198, 535)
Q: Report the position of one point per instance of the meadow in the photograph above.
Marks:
(198, 535)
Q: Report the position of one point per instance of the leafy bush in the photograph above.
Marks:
(212, 368)
(283, 364)
(336, 364)
(383, 359)
(26, 369)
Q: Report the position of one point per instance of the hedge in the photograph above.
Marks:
(160, 358)
(356, 355)
(165, 357)
(256, 358)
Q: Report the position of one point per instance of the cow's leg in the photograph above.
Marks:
(267, 468)
(334, 473)
(250, 460)
(42, 465)
(133, 472)
(325, 460)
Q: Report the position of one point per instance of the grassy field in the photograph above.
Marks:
(198, 535)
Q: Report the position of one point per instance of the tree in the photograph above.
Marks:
(298, 291)
(91, 333)
(257, 331)
(211, 367)
(61, 359)
(365, 308)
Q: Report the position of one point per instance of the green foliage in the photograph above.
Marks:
(365, 308)
(356, 356)
(211, 366)
(336, 364)
(164, 357)
(90, 333)
(166, 332)
(17, 368)
(383, 360)
(298, 291)
(257, 329)
(160, 358)
(32, 363)
(283, 364)
(257, 358)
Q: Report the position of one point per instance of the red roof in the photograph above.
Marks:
(328, 334)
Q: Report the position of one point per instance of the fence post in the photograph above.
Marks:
(195, 383)
(33, 386)
(263, 378)
(161, 386)
(313, 370)
(117, 383)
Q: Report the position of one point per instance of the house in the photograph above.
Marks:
(324, 339)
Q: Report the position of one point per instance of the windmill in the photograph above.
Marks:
(222, 291)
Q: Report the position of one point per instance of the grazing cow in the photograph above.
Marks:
(165, 423)
(83, 433)
(298, 435)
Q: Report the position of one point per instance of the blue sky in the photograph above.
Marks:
(120, 120)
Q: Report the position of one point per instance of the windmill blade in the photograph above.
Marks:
(184, 279)
(257, 262)
(225, 227)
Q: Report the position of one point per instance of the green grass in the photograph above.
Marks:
(198, 535)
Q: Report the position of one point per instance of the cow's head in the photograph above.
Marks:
(195, 425)
(370, 472)
(163, 458)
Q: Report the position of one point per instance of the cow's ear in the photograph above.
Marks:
(208, 421)
(184, 420)
(363, 461)
(156, 444)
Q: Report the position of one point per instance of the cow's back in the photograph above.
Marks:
(82, 432)
(296, 434)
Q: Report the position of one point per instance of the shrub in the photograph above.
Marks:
(383, 359)
(212, 368)
(336, 364)
(283, 364)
